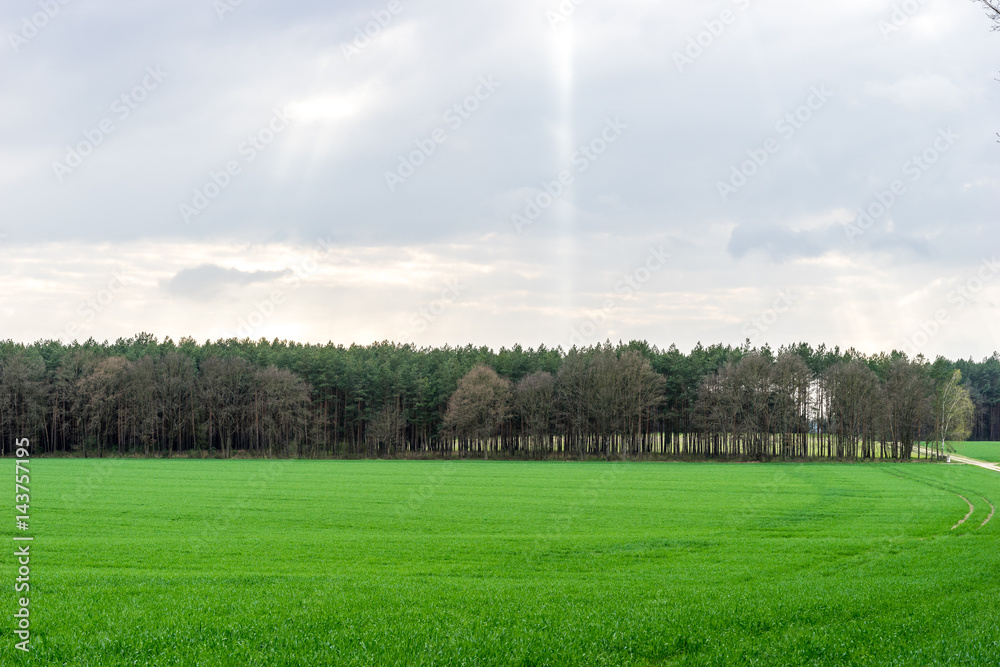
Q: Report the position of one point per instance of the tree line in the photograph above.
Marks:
(140, 396)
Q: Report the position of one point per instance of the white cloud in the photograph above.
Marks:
(839, 216)
(393, 252)
(925, 92)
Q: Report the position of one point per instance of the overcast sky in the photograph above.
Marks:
(502, 172)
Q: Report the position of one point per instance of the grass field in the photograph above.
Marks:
(171, 562)
(984, 451)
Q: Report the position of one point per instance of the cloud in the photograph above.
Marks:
(359, 117)
(209, 281)
(921, 92)
(781, 244)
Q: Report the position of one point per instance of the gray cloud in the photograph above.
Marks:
(324, 175)
(208, 281)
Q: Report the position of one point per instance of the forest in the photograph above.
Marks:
(242, 398)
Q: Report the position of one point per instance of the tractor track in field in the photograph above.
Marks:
(972, 508)
(992, 511)
(965, 460)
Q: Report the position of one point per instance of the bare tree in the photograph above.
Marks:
(479, 406)
(605, 396)
(140, 395)
(534, 402)
(573, 390)
(282, 399)
(855, 403)
(225, 389)
(105, 412)
(720, 408)
(992, 11)
(386, 427)
(736, 408)
(755, 386)
(791, 379)
(22, 395)
(908, 398)
(175, 384)
(641, 393)
(68, 403)
(279, 410)
(607, 399)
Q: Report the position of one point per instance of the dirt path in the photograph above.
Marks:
(955, 458)
(972, 509)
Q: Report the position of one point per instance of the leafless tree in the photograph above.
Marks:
(574, 391)
(22, 395)
(225, 390)
(274, 398)
(175, 385)
(479, 406)
(606, 400)
(855, 408)
(992, 11)
(534, 402)
(908, 405)
(641, 392)
(386, 428)
(791, 380)
(105, 411)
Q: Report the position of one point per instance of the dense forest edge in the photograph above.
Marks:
(281, 399)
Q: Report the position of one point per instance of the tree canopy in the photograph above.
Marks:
(143, 396)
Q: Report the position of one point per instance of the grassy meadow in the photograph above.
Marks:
(984, 451)
(212, 562)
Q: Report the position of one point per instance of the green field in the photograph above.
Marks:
(175, 562)
(984, 451)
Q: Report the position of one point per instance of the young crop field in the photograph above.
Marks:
(984, 451)
(212, 562)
